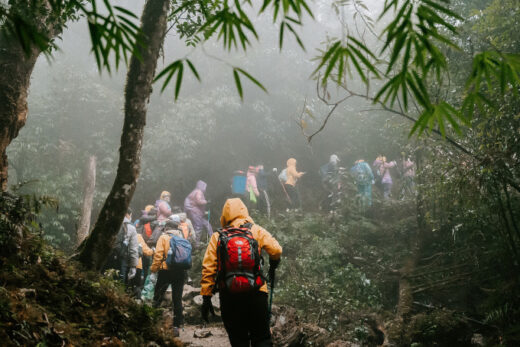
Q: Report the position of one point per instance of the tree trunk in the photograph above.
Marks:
(16, 67)
(88, 197)
(405, 302)
(15, 75)
(95, 249)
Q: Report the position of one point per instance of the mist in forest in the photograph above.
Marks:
(425, 254)
(208, 133)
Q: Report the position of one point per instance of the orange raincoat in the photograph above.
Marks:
(235, 214)
(292, 173)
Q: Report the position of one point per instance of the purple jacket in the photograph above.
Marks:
(386, 175)
(195, 202)
(163, 210)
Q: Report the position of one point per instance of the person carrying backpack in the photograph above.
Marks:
(364, 178)
(232, 266)
(330, 180)
(145, 252)
(171, 260)
(125, 253)
(290, 184)
(329, 173)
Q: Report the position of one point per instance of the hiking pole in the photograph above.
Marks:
(207, 231)
(285, 191)
(271, 280)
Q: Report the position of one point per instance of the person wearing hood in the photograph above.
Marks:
(329, 174)
(144, 214)
(387, 177)
(263, 205)
(163, 207)
(290, 184)
(143, 266)
(165, 276)
(186, 226)
(125, 254)
(245, 315)
(195, 207)
(252, 191)
(364, 178)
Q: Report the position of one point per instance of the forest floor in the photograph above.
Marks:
(47, 300)
(286, 326)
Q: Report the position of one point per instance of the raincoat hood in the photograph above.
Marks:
(235, 213)
(334, 159)
(201, 185)
(291, 162)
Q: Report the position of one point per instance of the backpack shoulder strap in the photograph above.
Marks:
(247, 226)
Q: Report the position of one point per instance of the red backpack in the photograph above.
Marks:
(239, 261)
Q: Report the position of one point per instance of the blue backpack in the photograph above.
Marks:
(179, 254)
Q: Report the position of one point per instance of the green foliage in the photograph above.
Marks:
(228, 22)
(414, 59)
(46, 299)
(497, 24)
(114, 35)
(411, 40)
(342, 56)
(493, 73)
(314, 275)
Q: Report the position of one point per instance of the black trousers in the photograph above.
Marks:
(246, 319)
(176, 279)
(294, 195)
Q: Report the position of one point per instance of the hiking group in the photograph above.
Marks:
(252, 184)
(364, 177)
(155, 251)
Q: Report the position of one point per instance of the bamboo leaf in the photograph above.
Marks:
(238, 84)
(193, 69)
(179, 81)
(251, 78)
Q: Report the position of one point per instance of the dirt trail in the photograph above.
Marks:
(287, 329)
(194, 333)
(218, 337)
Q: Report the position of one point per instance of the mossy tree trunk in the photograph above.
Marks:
(94, 251)
(15, 74)
(88, 198)
(16, 66)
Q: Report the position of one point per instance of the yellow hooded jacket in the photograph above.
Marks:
(235, 214)
(161, 250)
(147, 251)
(292, 173)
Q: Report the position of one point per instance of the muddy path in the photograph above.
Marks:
(287, 329)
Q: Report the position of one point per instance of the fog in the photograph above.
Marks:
(76, 111)
(417, 252)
